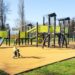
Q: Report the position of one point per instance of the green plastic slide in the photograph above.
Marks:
(1, 41)
(32, 30)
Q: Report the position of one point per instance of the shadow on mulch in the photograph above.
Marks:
(31, 57)
(5, 47)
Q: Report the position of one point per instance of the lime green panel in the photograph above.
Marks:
(1, 34)
(57, 29)
(4, 34)
(51, 29)
(45, 29)
(66, 30)
(22, 35)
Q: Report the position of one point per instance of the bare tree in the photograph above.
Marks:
(21, 15)
(3, 10)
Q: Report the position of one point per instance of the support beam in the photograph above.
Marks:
(9, 38)
(68, 31)
(31, 35)
(25, 35)
(19, 38)
(49, 30)
(6, 41)
(37, 35)
(43, 20)
(54, 30)
(64, 25)
(22, 41)
(52, 14)
(28, 36)
(60, 25)
(31, 41)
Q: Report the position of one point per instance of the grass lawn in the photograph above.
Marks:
(60, 68)
(3, 73)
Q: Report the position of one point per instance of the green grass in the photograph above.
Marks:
(3, 73)
(61, 68)
(11, 41)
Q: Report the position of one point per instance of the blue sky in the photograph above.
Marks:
(36, 9)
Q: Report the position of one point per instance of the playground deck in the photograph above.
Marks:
(33, 57)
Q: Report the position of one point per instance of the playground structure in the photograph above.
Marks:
(43, 32)
(40, 34)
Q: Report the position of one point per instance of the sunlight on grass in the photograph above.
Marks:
(60, 68)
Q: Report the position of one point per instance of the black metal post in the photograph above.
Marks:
(9, 37)
(68, 31)
(31, 41)
(19, 38)
(60, 26)
(22, 41)
(54, 30)
(6, 40)
(28, 36)
(31, 36)
(64, 25)
(49, 31)
(37, 35)
(43, 20)
(60, 32)
(25, 35)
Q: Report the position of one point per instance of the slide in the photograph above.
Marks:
(32, 30)
(1, 40)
